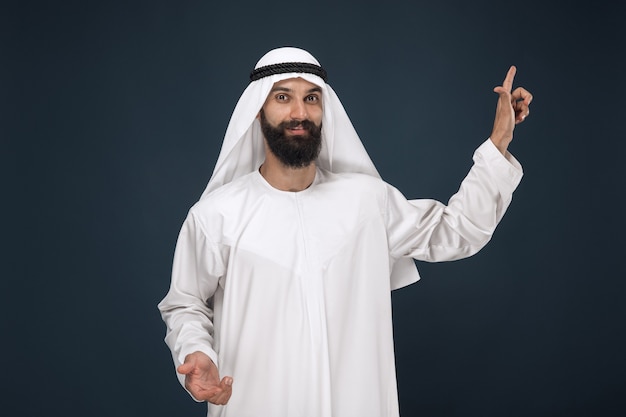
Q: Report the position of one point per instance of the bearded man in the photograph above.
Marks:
(280, 300)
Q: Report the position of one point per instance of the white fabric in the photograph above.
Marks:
(289, 293)
(342, 151)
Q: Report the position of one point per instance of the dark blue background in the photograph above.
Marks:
(112, 118)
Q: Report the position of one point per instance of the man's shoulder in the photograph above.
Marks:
(356, 187)
(224, 196)
(351, 180)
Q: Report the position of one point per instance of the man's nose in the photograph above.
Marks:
(298, 110)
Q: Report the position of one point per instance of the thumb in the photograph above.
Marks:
(500, 90)
(185, 368)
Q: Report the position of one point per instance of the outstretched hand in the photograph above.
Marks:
(512, 108)
(202, 379)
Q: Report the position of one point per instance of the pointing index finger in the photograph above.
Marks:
(508, 81)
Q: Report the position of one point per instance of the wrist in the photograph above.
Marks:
(500, 142)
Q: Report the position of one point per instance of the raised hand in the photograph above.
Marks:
(512, 108)
(202, 379)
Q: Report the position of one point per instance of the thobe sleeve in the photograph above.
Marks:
(431, 231)
(187, 307)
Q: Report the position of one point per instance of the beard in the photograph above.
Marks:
(297, 151)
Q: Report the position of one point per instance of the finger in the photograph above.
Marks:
(521, 94)
(521, 111)
(205, 393)
(508, 80)
(520, 99)
(227, 386)
(225, 391)
(521, 116)
(220, 398)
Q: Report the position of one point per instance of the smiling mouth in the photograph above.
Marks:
(297, 129)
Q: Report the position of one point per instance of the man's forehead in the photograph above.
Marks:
(296, 83)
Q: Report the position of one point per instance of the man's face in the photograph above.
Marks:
(291, 121)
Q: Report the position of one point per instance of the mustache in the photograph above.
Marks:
(305, 124)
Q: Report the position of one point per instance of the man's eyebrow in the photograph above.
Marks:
(285, 89)
(289, 90)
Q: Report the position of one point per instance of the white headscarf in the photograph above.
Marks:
(243, 148)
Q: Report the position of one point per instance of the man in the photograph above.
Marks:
(280, 299)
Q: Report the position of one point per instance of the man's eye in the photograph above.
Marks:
(312, 99)
(281, 97)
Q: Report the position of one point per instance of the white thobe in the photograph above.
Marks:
(289, 292)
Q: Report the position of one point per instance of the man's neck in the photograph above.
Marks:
(286, 178)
